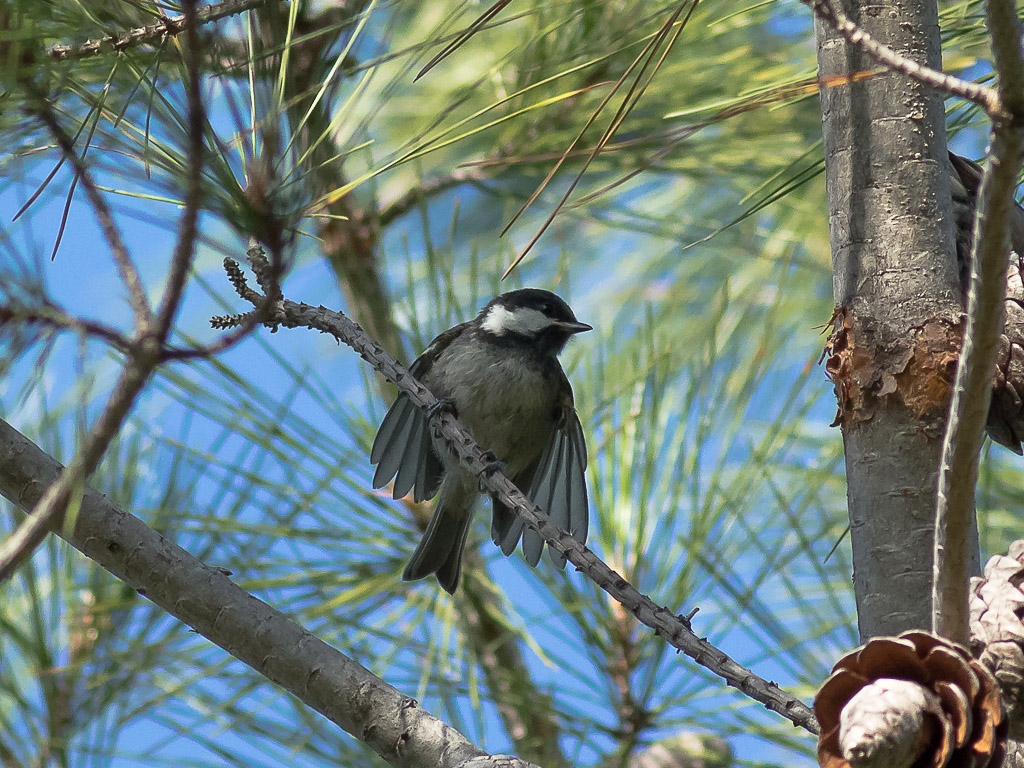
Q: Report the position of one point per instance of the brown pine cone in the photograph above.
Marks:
(997, 628)
(1006, 413)
(915, 700)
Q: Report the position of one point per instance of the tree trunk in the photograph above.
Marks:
(894, 348)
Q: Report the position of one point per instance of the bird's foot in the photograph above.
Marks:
(438, 409)
(491, 465)
(442, 406)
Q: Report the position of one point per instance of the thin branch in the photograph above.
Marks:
(243, 324)
(142, 357)
(57, 319)
(982, 95)
(674, 629)
(248, 322)
(958, 470)
(125, 265)
(1004, 26)
(151, 33)
(205, 599)
(184, 249)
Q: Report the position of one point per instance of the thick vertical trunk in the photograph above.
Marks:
(897, 336)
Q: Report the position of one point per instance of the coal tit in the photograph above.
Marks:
(500, 373)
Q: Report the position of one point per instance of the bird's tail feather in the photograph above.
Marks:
(440, 549)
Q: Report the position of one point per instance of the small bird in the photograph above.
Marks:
(500, 375)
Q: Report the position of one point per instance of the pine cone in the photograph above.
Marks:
(997, 628)
(1006, 413)
(913, 700)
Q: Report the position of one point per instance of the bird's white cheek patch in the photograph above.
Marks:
(523, 320)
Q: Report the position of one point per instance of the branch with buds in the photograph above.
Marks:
(673, 628)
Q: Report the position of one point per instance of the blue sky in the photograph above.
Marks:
(83, 279)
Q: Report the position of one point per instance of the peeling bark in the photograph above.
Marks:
(919, 375)
(896, 281)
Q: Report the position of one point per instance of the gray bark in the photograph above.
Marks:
(896, 284)
(391, 723)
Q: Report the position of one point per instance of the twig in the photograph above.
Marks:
(242, 324)
(125, 265)
(156, 32)
(185, 247)
(674, 629)
(1004, 26)
(57, 319)
(958, 470)
(982, 95)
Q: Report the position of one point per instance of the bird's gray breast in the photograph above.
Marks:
(508, 401)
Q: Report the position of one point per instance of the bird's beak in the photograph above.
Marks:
(576, 327)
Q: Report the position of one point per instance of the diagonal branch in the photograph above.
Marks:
(56, 319)
(125, 265)
(185, 247)
(674, 629)
(391, 723)
(65, 492)
(151, 33)
(982, 95)
(142, 358)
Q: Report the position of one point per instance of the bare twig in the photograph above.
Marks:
(243, 326)
(1004, 26)
(151, 33)
(184, 249)
(141, 359)
(958, 471)
(125, 265)
(674, 629)
(57, 319)
(982, 95)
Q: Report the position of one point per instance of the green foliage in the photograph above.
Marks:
(696, 244)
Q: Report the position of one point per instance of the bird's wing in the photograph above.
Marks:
(402, 448)
(1005, 423)
(556, 484)
(968, 173)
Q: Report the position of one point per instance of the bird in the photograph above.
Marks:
(1005, 423)
(499, 374)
